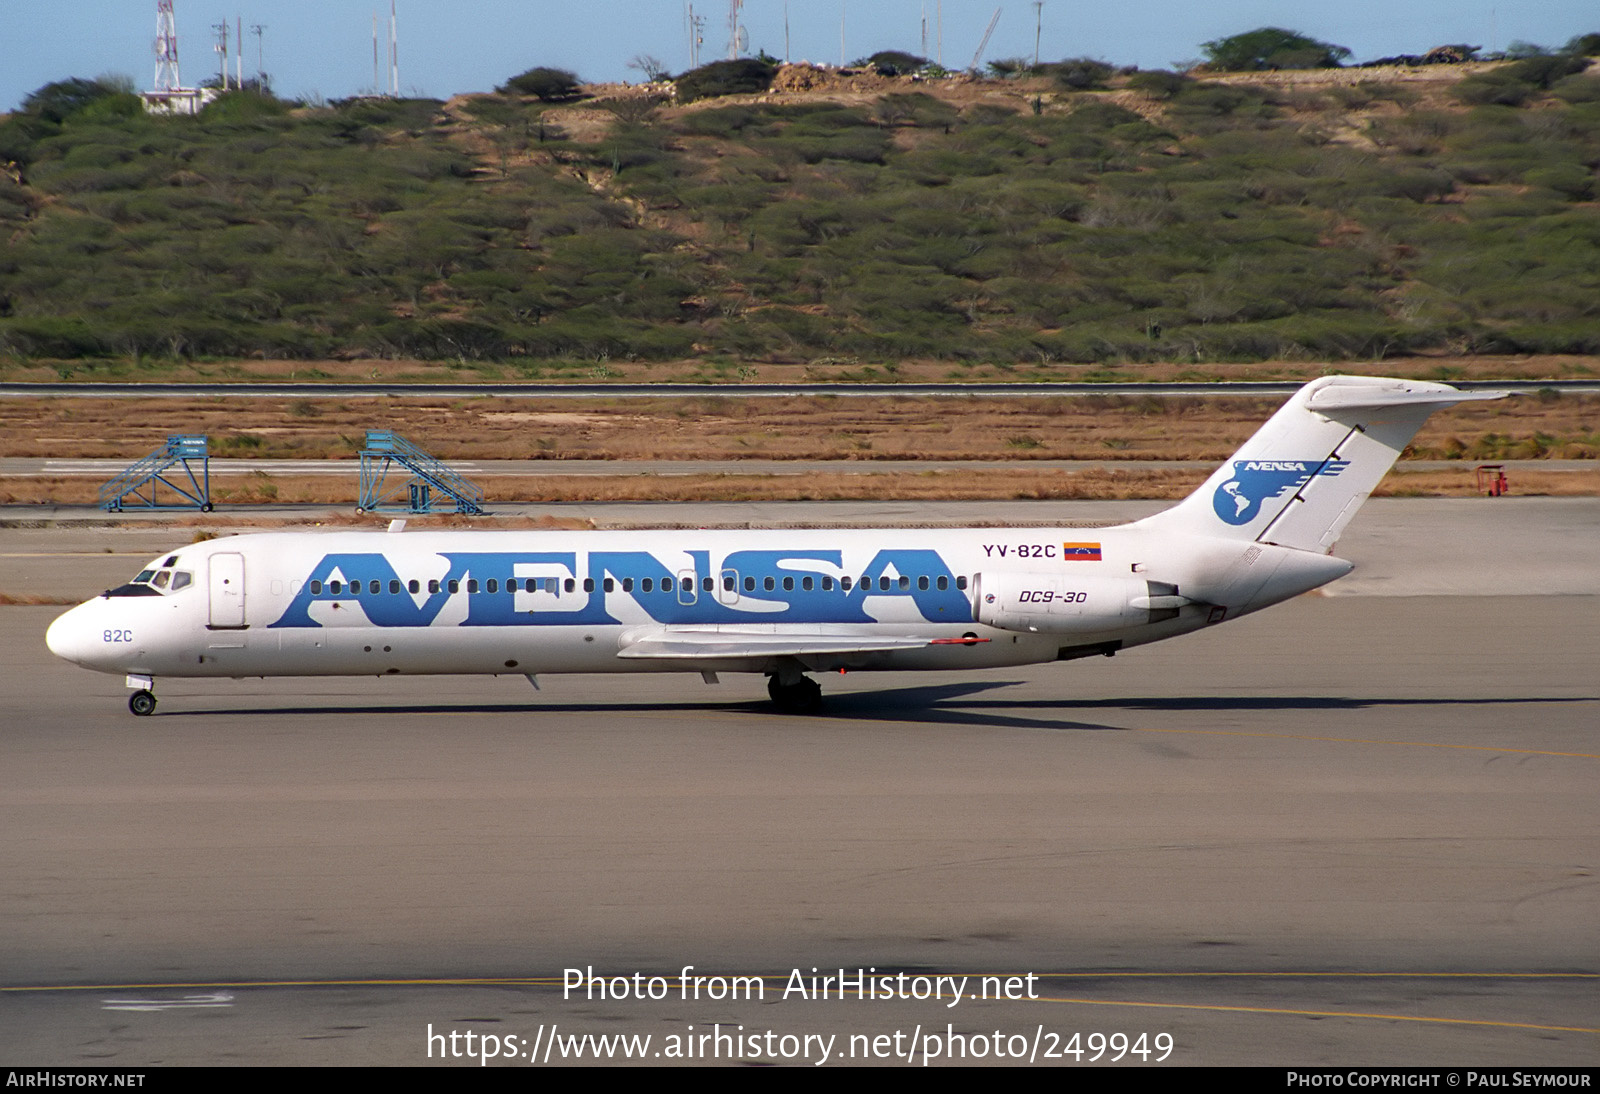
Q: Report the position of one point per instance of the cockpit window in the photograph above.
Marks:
(132, 590)
(173, 561)
(155, 582)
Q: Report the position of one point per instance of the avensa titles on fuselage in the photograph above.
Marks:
(779, 603)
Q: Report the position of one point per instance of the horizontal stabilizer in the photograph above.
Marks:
(720, 643)
(1331, 399)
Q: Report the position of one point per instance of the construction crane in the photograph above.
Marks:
(985, 43)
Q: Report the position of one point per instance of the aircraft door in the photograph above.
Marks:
(227, 591)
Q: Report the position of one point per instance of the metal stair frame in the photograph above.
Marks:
(426, 476)
(139, 487)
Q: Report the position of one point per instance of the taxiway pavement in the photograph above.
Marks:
(1349, 830)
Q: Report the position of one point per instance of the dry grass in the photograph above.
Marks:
(728, 428)
(957, 485)
(33, 600)
(360, 370)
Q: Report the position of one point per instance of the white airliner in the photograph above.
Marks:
(780, 603)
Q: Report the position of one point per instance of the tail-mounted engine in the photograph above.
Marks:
(1053, 603)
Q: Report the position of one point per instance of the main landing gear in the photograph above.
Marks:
(799, 695)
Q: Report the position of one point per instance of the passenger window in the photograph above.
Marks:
(472, 584)
(961, 582)
(414, 587)
(571, 585)
(768, 584)
(688, 584)
(883, 583)
(627, 584)
(727, 584)
(610, 584)
(922, 582)
(806, 584)
(844, 583)
(905, 582)
(648, 585)
(374, 586)
(335, 587)
(316, 588)
(433, 585)
(788, 584)
(707, 584)
(588, 584)
(827, 583)
(944, 583)
(455, 586)
(494, 585)
(749, 584)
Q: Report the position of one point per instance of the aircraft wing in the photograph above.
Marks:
(721, 643)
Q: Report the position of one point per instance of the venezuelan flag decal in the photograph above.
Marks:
(1080, 552)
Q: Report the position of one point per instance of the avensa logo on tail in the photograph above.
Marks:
(1238, 500)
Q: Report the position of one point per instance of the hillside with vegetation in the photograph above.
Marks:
(1077, 216)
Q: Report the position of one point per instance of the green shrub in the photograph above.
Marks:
(746, 76)
(549, 85)
(894, 62)
(1159, 84)
(1081, 73)
(1271, 48)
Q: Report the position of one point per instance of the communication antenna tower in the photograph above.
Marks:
(394, 57)
(734, 45)
(696, 25)
(166, 48)
(259, 29)
(394, 54)
(222, 49)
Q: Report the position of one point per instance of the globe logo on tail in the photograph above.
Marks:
(1238, 500)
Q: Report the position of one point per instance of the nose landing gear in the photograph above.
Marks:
(143, 701)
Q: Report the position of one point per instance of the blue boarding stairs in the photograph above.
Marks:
(399, 477)
(140, 486)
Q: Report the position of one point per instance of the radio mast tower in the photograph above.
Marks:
(733, 28)
(394, 54)
(222, 49)
(166, 48)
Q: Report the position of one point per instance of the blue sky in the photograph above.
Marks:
(324, 47)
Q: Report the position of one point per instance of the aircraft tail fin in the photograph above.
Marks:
(1300, 479)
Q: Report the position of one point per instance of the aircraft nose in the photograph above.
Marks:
(69, 638)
